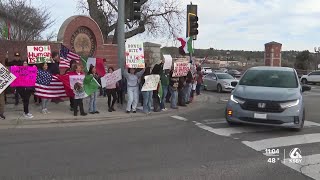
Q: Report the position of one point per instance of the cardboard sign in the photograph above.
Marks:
(26, 76)
(6, 78)
(39, 54)
(151, 83)
(180, 69)
(135, 55)
(111, 78)
(77, 79)
(167, 62)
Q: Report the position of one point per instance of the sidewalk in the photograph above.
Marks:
(60, 113)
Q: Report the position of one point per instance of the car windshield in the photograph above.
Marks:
(224, 76)
(269, 78)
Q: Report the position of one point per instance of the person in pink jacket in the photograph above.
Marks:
(111, 91)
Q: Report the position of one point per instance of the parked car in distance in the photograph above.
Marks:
(234, 73)
(268, 96)
(206, 70)
(313, 77)
(221, 82)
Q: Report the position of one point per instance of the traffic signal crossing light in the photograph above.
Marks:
(193, 24)
(135, 10)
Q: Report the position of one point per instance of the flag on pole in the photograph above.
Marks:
(66, 56)
(48, 86)
(97, 62)
(6, 31)
(186, 44)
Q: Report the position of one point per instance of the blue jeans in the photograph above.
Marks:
(198, 87)
(174, 97)
(133, 98)
(187, 92)
(147, 100)
(93, 102)
(45, 103)
(164, 95)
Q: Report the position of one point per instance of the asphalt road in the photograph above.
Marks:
(195, 145)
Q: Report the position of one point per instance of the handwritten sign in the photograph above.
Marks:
(135, 55)
(74, 79)
(39, 54)
(111, 78)
(26, 76)
(6, 78)
(151, 83)
(167, 61)
(180, 69)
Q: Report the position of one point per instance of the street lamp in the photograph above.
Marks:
(317, 51)
(228, 54)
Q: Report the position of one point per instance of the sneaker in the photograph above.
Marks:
(97, 112)
(84, 114)
(134, 111)
(92, 112)
(128, 112)
(109, 110)
(28, 116)
(165, 109)
(44, 111)
(47, 111)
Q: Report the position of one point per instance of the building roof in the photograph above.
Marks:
(273, 42)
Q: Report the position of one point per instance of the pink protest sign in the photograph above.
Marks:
(26, 76)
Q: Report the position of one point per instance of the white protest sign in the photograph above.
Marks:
(91, 61)
(167, 61)
(134, 55)
(6, 78)
(181, 69)
(111, 78)
(74, 79)
(151, 83)
(39, 54)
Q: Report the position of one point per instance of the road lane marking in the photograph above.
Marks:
(310, 166)
(283, 141)
(180, 118)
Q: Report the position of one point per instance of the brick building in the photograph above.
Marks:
(272, 54)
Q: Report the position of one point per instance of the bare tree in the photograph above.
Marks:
(27, 22)
(159, 18)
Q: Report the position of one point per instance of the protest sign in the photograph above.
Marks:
(39, 54)
(6, 78)
(135, 55)
(26, 76)
(167, 61)
(180, 69)
(77, 79)
(111, 78)
(151, 83)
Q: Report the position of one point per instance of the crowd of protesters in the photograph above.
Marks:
(177, 91)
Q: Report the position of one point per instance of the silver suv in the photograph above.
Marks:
(268, 96)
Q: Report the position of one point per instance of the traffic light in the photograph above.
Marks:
(193, 24)
(135, 10)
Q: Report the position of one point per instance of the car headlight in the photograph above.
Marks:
(237, 100)
(225, 83)
(289, 104)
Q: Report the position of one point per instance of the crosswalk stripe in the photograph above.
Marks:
(180, 118)
(310, 166)
(283, 141)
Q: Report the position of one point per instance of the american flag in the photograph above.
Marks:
(66, 56)
(49, 86)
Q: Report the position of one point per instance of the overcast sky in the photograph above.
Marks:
(236, 24)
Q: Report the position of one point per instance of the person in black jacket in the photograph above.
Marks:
(25, 93)
(53, 67)
(156, 99)
(181, 94)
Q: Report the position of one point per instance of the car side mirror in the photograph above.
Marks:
(306, 88)
(234, 83)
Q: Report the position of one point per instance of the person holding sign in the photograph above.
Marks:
(147, 95)
(78, 91)
(93, 96)
(25, 93)
(111, 91)
(132, 88)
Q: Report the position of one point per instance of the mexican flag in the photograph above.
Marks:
(186, 44)
(79, 86)
(6, 31)
(97, 62)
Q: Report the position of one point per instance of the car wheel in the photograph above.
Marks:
(304, 81)
(219, 88)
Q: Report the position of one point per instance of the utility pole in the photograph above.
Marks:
(120, 34)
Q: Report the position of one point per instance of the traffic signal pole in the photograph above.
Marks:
(121, 34)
